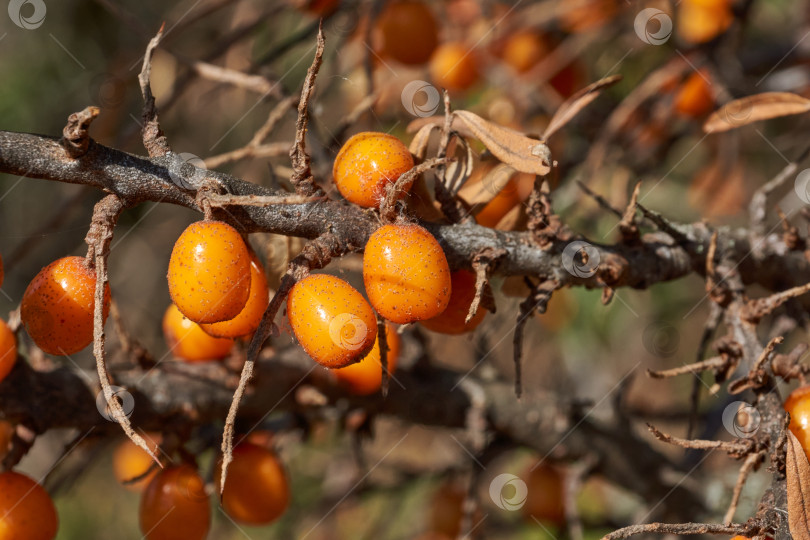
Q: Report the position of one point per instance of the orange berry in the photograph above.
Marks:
(695, 97)
(367, 163)
(544, 500)
(447, 509)
(57, 306)
(523, 50)
(209, 272)
(189, 342)
(130, 461)
(365, 377)
(798, 405)
(699, 22)
(406, 273)
(451, 320)
(174, 505)
(8, 350)
(409, 31)
(321, 8)
(331, 320)
(584, 15)
(256, 491)
(26, 509)
(454, 66)
(251, 315)
(6, 434)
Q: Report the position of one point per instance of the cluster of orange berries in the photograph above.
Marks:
(176, 499)
(409, 33)
(405, 272)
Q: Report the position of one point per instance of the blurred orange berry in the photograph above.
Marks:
(409, 31)
(454, 66)
(189, 342)
(365, 377)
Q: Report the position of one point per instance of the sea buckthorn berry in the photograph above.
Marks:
(26, 509)
(367, 163)
(451, 320)
(695, 97)
(8, 350)
(251, 315)
(544, 500)
(256, 491)
(409, 31)
(447, 510)
(130, 461)
(454, 66)
(700, 21)
(189, 342)
(209, 272)
(57, 306)
(523, 50)
(6, 434)
(365, 377)
(798, 405)
(406, 274)
(331, 320)
(174, 505)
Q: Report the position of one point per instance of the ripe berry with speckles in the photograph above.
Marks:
(367, 163)
(331, 320)
(57, 306)
(209, 272)
(251, 315)
(406, 273)
(26, 509)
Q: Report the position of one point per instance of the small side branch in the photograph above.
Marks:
(153, 139)
(76, 134)
(302, 177)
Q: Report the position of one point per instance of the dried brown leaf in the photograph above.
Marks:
(578, 101)
(744, 111)
(511, 147)
(460, 170)
(798, 489)
(482, 192)
(419, 144)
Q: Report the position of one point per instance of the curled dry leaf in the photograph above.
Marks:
(798, 489)
(419, 144)
(511, 147)
(744, 111)
(578, 101)
(482, 192)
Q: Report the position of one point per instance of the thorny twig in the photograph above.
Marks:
(153, 139)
